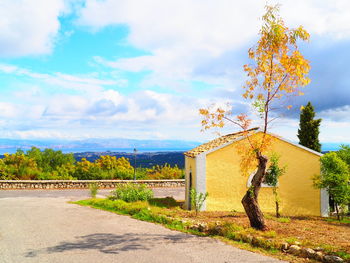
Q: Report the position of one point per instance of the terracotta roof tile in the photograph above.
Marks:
(216, 143)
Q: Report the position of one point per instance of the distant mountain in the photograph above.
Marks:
(113, 145)
(98, 145)
(144, 160)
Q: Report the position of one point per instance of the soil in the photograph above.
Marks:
(310, 231)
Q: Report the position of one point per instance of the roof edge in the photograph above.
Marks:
(222, 146)
(295, 144)
(188, 154)
(257, 131)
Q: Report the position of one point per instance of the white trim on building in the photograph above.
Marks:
(324, 203)
(201, 185)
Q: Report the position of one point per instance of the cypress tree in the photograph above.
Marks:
(309, 128)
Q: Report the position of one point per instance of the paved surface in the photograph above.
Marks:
(77, 194)
(37, 227)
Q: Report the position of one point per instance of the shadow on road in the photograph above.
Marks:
(112, 244)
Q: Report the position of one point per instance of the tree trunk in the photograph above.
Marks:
(277, 210)
(337, 210)
(250, 200)
(277, 202)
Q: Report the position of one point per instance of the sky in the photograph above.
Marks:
(142, 69)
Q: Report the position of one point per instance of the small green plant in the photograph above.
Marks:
(271, 178)
(283, 220)
(197, 200)
(233, 213)
(93, 189)
(131, 193)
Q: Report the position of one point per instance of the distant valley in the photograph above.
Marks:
(149, 152)
(144, 160)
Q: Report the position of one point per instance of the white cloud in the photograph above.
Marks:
(190, 40)
(8, 68)
(38, 134)
(139, 115)
(8, 110)
(66, 106)
(29, 27)
(190, 31)
(339, 114)
(80, 83)
(319, 17)
(180, 35)
(84, 103)
(195, 25)
(186, 40)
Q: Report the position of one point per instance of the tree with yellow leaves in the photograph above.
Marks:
(278, 72)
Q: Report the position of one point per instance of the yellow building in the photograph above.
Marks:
(214, 167)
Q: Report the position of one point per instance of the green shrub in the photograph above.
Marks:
(131, 193)
(48, 164)
(165, 172)
(197, 200)
(93, 189)
(122, 174)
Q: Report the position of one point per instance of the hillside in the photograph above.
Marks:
(145, 160)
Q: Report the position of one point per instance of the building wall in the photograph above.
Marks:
(226, 185)
(190, 166)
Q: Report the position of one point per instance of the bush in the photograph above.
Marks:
(49, 164)
(131, 193)
(197, 200)
(105, 168)
(335, 178)
(93, 189)
(165, 172)
(18, 166)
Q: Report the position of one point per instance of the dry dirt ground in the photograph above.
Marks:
(310, 230)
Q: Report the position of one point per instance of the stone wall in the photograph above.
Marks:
(83, 184)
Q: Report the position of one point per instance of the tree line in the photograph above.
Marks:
(49, 164)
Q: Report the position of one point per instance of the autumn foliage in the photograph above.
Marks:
(277, 73)
(164, 172)
(55, 165)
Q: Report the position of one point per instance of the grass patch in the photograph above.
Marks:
(140, 210)
(292, 240)
(278, 219)
(167, 202)
(345, 220)
(166, 211)
(343, 255)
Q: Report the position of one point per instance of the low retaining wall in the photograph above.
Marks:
(82, 184)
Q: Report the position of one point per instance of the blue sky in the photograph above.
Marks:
(142, 69)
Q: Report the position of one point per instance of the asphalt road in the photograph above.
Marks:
(41, 226)
(78, 194)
